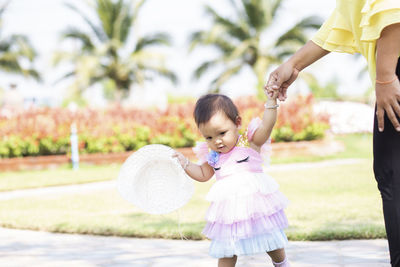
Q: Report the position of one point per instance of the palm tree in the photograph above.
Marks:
(14, 50)
(240, 40)
(109, 53)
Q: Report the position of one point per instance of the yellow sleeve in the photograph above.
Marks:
(336, 35)
(376, 15)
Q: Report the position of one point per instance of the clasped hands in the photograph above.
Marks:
(387, 94)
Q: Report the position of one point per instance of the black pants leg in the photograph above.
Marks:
(387, 174)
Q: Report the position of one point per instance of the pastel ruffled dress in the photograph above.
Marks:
(246, 215)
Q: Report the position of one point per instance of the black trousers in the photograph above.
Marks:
(387, 174)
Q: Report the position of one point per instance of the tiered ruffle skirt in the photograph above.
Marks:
(246, 215)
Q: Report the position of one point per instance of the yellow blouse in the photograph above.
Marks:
(355, 25)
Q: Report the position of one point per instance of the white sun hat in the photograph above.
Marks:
(153, 181)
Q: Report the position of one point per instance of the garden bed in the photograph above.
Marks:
(324, 147)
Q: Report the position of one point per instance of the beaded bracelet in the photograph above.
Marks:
(386, 82)
(270, 107)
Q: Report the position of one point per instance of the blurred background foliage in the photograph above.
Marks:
(110, 53)
(240, 40)
(16, 52)
(46, 131)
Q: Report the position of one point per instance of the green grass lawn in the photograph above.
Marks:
(337, 202)
(356, 146)
(60, 176)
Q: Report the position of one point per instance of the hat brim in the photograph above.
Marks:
(154, 181)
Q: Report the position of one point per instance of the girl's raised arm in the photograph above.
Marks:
(268, 121)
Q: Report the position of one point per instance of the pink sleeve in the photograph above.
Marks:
(265, 150)
(201, 151)
(253, 126)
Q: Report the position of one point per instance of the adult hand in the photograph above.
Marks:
(387, 100)
(280, 79)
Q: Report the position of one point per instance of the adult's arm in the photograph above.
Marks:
(281, 78)
(387, 87)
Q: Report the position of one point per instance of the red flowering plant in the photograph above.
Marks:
(296, 119)
(298, 122)
(46, 131)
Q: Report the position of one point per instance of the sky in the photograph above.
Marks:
(43, 21)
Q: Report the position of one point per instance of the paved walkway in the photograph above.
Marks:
(29, 248)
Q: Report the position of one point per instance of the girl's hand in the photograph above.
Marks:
(184, 161)
(271, 94)
(387, 100)
(280, 79)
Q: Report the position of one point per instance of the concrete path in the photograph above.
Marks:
(30, 248)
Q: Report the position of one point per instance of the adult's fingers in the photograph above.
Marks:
(281, 97)
(391, 113)
(273, 81)
(268, 93)
(380, 112)
(284, 89)
(396, 106)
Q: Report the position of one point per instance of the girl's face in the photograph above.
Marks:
(220, 132)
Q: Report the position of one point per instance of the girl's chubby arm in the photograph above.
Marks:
(263, 132)
(200, 173)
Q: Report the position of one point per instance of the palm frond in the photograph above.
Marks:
(13, 50)
(195, 39)
(311, 22)
(234, 5)
(155, 39)
(108, 12)
(297, 32)
(25, 49)
(292, 37)
(276, 4)
(236, 30)
(166, 74)
(106, 58)
(211, 38)
(34, 74)
(18, 44)
(255, 13)
(286, 53)
(204, 67)
(97, 30)
(126, 22)
(9, 63)
(242, 51)
(76, 34)
(5, 45)
(224, 46)
(138, 6)
(65, 76)
(225, 76)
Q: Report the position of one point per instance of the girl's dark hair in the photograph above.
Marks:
(210, 104)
